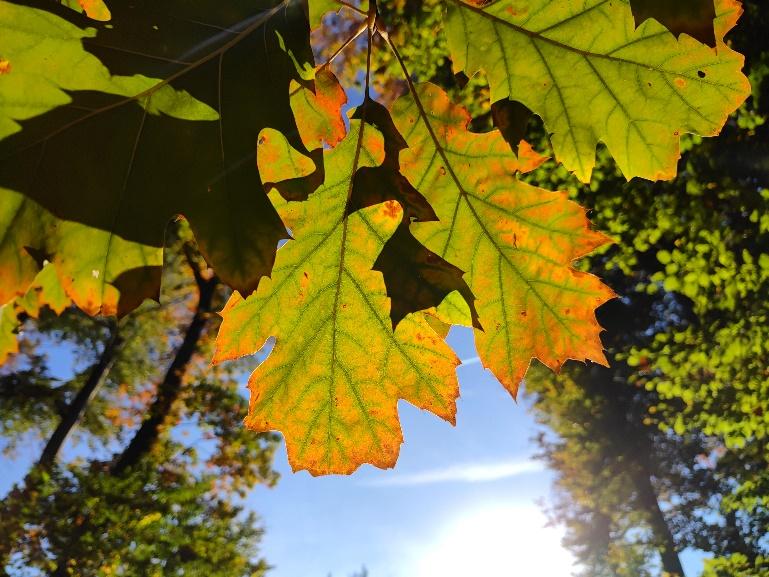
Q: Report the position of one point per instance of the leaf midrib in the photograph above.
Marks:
(463, 194)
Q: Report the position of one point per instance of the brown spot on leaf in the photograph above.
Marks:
(5, 66)
(392, 209)
(680, 82)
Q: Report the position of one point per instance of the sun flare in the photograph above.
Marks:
(505, 540)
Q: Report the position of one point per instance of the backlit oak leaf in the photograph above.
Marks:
(515, 241)
(337, 370)
(94, 163)
(593, 77)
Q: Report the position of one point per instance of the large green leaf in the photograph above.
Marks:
(515, 241)
(593, 77)
(127, 124)
(333, 380)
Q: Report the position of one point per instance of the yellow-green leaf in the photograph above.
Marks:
(516, 242)
(593, 77)
(333, 380)
(8, 325)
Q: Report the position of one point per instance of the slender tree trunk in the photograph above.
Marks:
(10, 508)
(647, 495)
(167, 393)
(169, 389)
(76, 408)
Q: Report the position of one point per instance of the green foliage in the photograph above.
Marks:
(160, 519)
(174, 507)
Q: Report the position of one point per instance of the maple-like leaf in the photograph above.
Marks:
(593, 77)
(111, 159)
(515, 241)
(332, 382)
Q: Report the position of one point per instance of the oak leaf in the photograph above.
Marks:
(515, 241)
(333, 379)
(124, 145)
(593, 77)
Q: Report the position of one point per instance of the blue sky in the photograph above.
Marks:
(462, 500)
(457, 494)
(447, 480)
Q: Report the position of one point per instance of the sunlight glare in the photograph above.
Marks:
(506, 540)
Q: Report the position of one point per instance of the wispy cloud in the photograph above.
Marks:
(467, 473)
(471, 361)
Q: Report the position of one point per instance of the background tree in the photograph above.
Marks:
(666, 449)
(143, 455)
(683, 407)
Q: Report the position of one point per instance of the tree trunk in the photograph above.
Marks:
(663, 537)
(75, 409)
(169, 389)
(23, 494)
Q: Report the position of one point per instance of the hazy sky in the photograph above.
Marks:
(460, 499)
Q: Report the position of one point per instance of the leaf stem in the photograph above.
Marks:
(352, 7)
(346, 43)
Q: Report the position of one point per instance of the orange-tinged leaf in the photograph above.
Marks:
(333, 379)
(45, 290)
(319, 114)
(276, 157)
(94, 9)
(515, 241)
